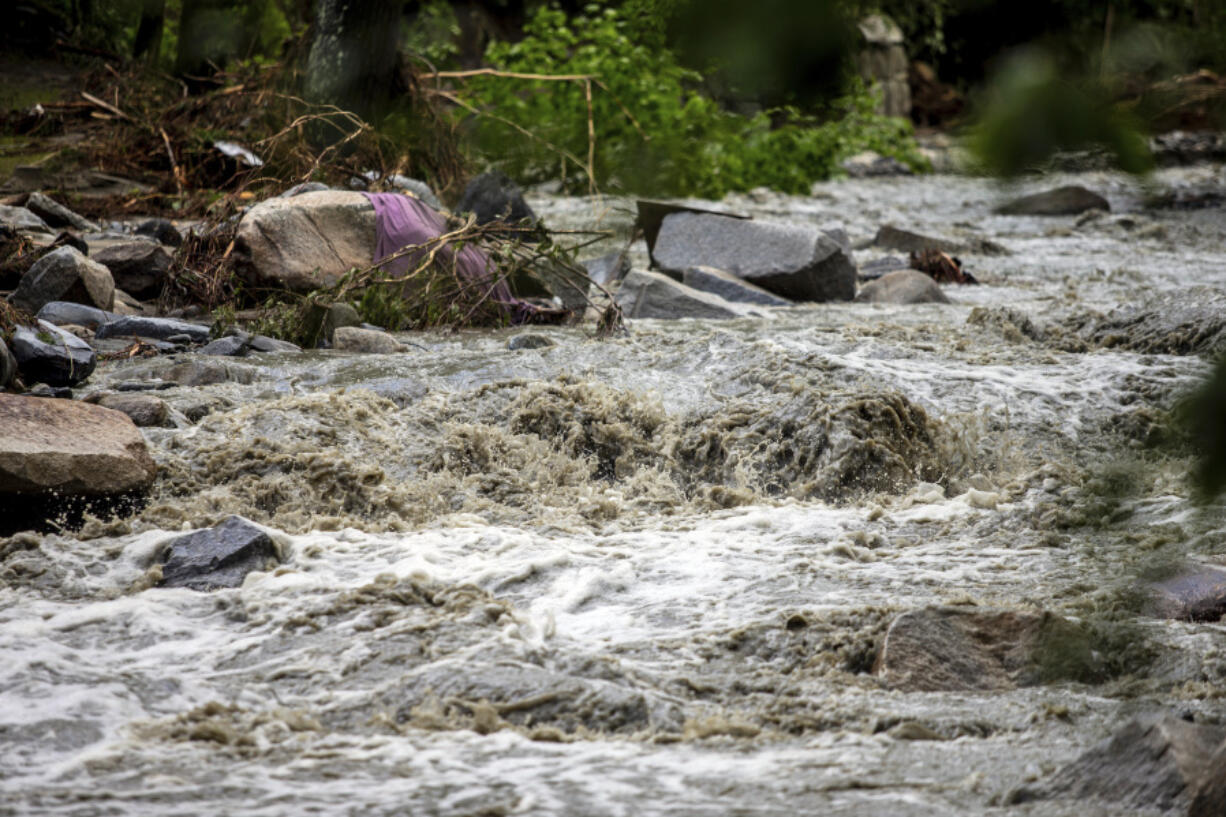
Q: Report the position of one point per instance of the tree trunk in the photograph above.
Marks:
(149, 32)
(209, 34)
(353, 54)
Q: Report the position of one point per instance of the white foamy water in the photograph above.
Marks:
(622, 577)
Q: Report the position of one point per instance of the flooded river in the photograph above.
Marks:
(651, 574)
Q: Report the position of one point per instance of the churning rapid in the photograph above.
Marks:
(653, 574)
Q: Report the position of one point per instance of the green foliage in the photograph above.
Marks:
(433, 34)
(653, 132)
(1034, 111)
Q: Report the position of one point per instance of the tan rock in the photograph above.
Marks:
(70, 447)
(307, 241)
(367, 341)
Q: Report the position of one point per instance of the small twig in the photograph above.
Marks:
(591, 139)
(174, 166)
(493, 72)
(102, 103)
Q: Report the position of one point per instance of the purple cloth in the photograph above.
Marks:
(403, 221)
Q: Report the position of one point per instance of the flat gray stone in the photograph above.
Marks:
(902, 287)
(64, 274)
(144, 410)
(62, 313)
(217, 557)
(797, 262)
(890, 237)
(645, 294)
(1062, 201)
(156, 328)
(729, 287)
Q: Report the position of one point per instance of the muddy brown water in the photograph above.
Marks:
(649, 575)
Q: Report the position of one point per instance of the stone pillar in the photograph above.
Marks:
(883, 60)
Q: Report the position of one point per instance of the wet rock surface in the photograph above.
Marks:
(65, 274)
(1070, 200)
(217, 557)
(138, 267)
(69, 447)
(165, 329)
(365, 341)
(645, 294)
(48, 354)
(22, 220)
(902, 287)
(1156, 761)
(67, 312)
(794, 262)
(56, 214)
(730, 287)
(1193, 594)
(144, 410)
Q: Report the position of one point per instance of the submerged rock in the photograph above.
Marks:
(729, 287)
(56, 214)
(869, 163)
(230, 346)
(1061, 201)
(902, 287)
(138, 267)
(797, 262)
(529, 341)
(941, 649)
(207, 372)
(1195, 594)
(1152, 762)
(217, 557)
(144, 410)
(890, 237)
(645, 294)
(1179, 323)
(135, 326)
(48, 354)
(365, 341)
(308, 241)
(69, 447)
(65, 274)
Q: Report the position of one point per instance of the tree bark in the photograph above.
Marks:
(353, 54)
(149, 32)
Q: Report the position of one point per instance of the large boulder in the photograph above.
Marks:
(494, 197)
(905, 286)
(943, 649)
(65, 274)
(308, 241)
(217, 557)
(645, 294)
(1062, 201)
(47, 354)
(729, 287)
(69, 447)
(56, 214)
(797, 262)
(138, 267)
(1153, 762)
(22, 220)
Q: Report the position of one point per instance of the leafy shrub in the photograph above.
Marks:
(653, 134)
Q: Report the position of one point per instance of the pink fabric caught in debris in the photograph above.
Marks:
(403, 221)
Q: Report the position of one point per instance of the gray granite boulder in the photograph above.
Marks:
(645, 294)
(365, 341)
(65, 274)
(135, 326)
(138, 267)
(48, 354)
(217, 557)
(729, 287)
(905, 286)
(794, 261)
(22, 220)
(1062, 201)
(56, 214)
(307, 241)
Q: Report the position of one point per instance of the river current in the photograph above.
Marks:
(649, 574)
